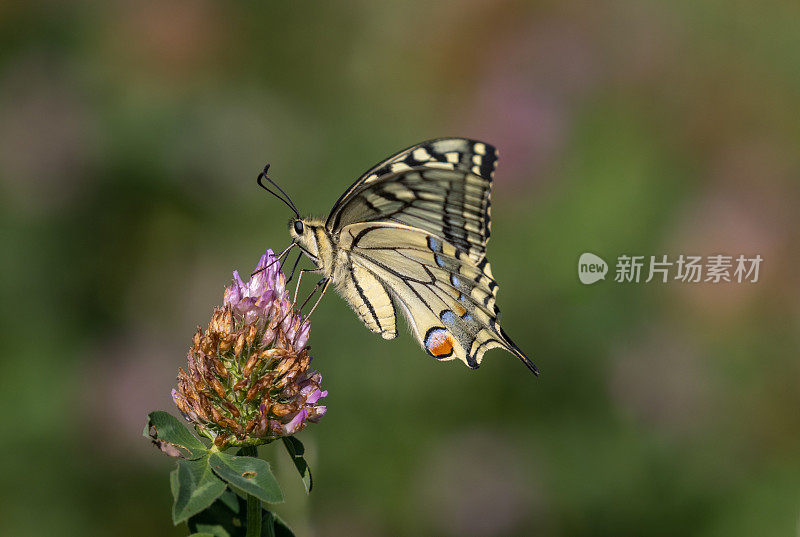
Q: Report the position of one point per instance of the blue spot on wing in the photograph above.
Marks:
(435, 245)
(448, 317)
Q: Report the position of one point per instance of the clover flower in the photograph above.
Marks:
(248, 379)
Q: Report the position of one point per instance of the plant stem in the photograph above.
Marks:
(253, 503)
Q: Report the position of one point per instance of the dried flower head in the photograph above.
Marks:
(248, 379)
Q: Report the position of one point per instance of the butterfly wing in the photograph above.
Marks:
(448, 299)
(442, 186)
(370, 299)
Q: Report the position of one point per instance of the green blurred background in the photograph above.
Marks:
(131, 134)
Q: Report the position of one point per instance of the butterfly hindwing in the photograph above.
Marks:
(370, 300)
(448, 299)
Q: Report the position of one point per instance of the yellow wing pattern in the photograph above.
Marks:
(370, 300)
(449, 299)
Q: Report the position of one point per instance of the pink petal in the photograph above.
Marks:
(297, 422)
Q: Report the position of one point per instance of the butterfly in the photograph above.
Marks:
(411, 232)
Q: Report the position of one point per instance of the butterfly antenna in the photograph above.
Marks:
(285, 199)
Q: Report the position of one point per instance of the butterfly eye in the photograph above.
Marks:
(298, 227)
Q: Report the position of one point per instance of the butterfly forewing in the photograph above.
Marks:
(451, 204)
(442, 186)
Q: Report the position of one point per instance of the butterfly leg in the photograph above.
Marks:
(299, 279)
(294, 267)
(324, 282)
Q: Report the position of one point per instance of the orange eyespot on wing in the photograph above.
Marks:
(439, 343)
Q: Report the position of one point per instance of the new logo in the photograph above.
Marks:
(591, 268)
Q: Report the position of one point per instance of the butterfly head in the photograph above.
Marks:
(307, 234)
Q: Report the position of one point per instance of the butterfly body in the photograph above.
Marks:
(412, 233)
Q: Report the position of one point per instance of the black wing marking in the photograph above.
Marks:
(464, 195)
(451, 204)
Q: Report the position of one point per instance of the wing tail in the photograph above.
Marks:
(516, 351)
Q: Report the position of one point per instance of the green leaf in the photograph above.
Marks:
(172, 437)
(224, 518)
(273, 526)
(296, 451)
(268, 525)
(194, 487)
(227, 517)
(230, 500)
(250, 474)
(211, 531)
